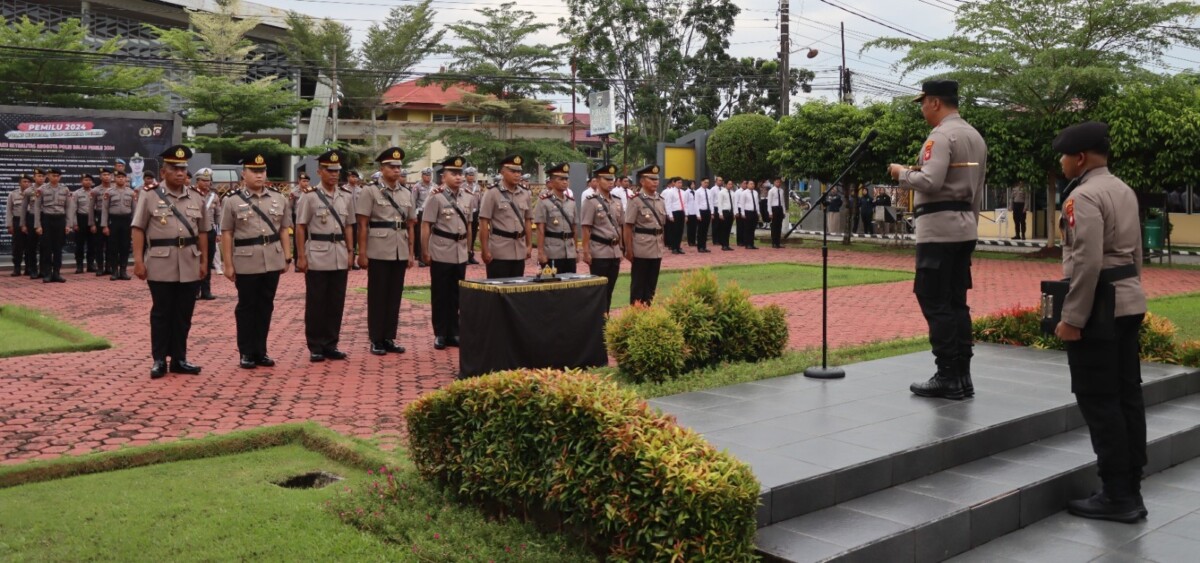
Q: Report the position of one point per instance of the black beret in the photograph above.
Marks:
(941, 88)
(54, 171)
(105, 170)
(1083, 137)
(605, 170)
(561, 169)
(37, 170)
(26, 177)
(120, 173)
(648, 170)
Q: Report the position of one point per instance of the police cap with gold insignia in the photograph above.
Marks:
(54, 171)
(330, 160)
(393, 155)
(562, 169)
(88, 176)
(37, 171)
(105, 170)
(513, 161)
(453, 162)
(649, 170)
(302, 176)
(607, 171)
(254, 162)
(939, 88)
(25, 177)
(1083, 137)
(177, 155)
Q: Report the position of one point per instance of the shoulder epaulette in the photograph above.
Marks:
(343, 188)
(308, 189)
(544, 195)
(570, 195)
(437, 190)
(148, 188)
(592, 196)
(274, 189)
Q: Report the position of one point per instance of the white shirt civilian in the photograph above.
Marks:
(749, 200)
(689, 204)
(672, 199)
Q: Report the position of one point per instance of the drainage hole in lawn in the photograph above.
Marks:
(311, 480)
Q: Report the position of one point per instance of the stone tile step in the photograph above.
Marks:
(813, 444)
(950, 512)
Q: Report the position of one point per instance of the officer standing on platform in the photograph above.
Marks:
(115, 219)
(212, 207)
(14, 215)
(171, 256)
(948, 190)
(1102, 244)
(84, 222)
(323, 254)
(98, 242)
(445, 230)
(386, 214)
(643, 237)
(603, 220)
(505, 230)
(472, 187)
(256, 250)
(53, 219)
(555, 221)
(33, 241)
(420, 194)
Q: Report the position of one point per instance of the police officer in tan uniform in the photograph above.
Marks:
(53, 219)
(386, 215)
(948, 185)
(98, 243)
(84, 223)
(602, 219)
(323, 253)
(420, 193)
(555, 220)
(644, 243)
(33, 246)
(473, 187)
(170, 254)
(14, 215)
(118, 204)
(445, 230)
(1102, 246)
(256, 250)
(212, 207)
(504, 223)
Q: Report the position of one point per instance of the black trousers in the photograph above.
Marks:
(750, 224)
(54, 237)
(474, 232)
(206, 281)
(417, 239)
(609, 268)
(691, 230)
(1106, 378)
(119, 241)
(82, 235)
(564, 265)
(18, 245)
(776, 225)
(256, 304)
(716, 228)
(675, 230)
(643, 280)
(33, 247)
(722, 229)
(868, 223)
(443, 289)
(385, 287)
(98, 249)
(702, 229)
(171, 318)
(324, 301)
(763, 210)
(942, 280)
(505, 269)
(1018, 213)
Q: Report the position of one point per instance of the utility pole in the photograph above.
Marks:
(844, 91)
(785, 52)
(336, 99)
(573, 92)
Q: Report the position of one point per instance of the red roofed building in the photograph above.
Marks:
(410, 101)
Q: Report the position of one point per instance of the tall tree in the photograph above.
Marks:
(1155, 131)
(59, 67)
(746, 85)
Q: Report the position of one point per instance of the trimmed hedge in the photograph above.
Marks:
(1022, 327)
(646, 342)
(579, 450)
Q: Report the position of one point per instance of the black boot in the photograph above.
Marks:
(964, 372)
(123, 275)
(945, 384)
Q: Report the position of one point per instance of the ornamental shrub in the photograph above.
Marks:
(577, 450)
(769, 335)
(646, 342)
(735, 320)
(1022, 327)
(692, 304)
(1189, 353)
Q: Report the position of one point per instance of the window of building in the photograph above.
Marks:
(451, 118)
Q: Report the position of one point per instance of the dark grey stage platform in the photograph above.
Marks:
(860, 470)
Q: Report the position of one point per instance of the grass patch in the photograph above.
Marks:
(25, 332)
(1183, 310)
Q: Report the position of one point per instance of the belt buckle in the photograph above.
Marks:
(179, 241)
(263, 237)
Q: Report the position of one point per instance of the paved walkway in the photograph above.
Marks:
(74, 403)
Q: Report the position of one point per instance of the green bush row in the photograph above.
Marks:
(576, 450)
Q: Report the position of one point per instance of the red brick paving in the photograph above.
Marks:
(58, 404)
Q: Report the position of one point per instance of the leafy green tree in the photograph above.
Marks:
(1155, 130)
(483, 149)
(747, 85)
(34, 70)
(736, 147)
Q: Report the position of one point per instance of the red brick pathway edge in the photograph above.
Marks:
(57, 404)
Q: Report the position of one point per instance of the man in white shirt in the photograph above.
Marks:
(712, 194)
(691, 211)
(673, 200)
(749, 200)
(776, 205)
(703, 215)
(723, 215)
(739, 218)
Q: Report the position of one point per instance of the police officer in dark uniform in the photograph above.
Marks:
(98, 242)
(1102, 246)
(948, 192)
(14, 215)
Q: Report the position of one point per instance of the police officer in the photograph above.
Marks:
(33, 241)
(948, 188)
(643, 236)
(386, 215)
(420, 194)
(355, 187)
(115, 218)
(212, 207)
(14, 214)
(504, 223)
(98, 242)
(256, 250)
(1102, 246)
(603, 219)
(475, 189)
(53, 218)
(555, 221)
(84, 222)
(171, 256)
(323, 254)
(445, 230)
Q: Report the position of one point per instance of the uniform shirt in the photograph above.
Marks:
(318, 219)
(421, 193)
(507, 211)
(623, 195)
(212, 205)
(154, 217)
(30, 195)
(98, 201)
(554, 220)
(1100, 232)
(118, 201)
(14, 212)
(748, 201)
(441, 215)
(952, 141)
(606, 217)
(775, 197)
(1018, 195)
(83, 206)
(672, 200)
(472, 189)
(737, 200)
(391, 242)
(647, 212)
(53, 200)
(238, 216)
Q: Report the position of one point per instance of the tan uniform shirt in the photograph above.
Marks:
(51, 200)
(642, 215)
(83, 206)
(953, 141)
(606, 218)
(120, 201)
(318, 218)
(30, 194)
(14, 212)
(386, 242)
(154, 217)
(238, 216)
(1100, 230)
(555, 220)
(420, 194)
(212, 207)
(473, 190)
(98, 202)
(440, 214)
(508, 212)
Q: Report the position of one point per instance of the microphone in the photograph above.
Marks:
(862, 146)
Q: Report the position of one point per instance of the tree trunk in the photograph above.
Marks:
(1050, 209)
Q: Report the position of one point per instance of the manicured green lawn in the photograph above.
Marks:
(1183, 310)
(25, 332)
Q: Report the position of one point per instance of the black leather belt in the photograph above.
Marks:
(256, 241)
(938, 206)
(178, 242)
(1118, 273)
(335, 237)
(386, 225)
(564, 236)
(115, 216)
(508, 234)
(449, 235)
(604, 240)
(641, 231)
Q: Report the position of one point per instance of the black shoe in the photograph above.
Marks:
(78, 269)
(439, 343)
(115, 276)
(391, 346)
(124, 276)
(91, 268)
(943, 384)
(315, 357)
(472, 261)
(247, 362)
(726, 248)
(336, 354)
(47, 280)
(104, 272)
(378, 349)
(159, 369)
(57, 278)
(964, 372)
(452, 341)
(16, 272)
(182, 366)
(34, 275)
(751, 247)
(208, 296)
(422, 264)
(704, 250)
(1100, 506)
(264, 361)
(355, 266)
